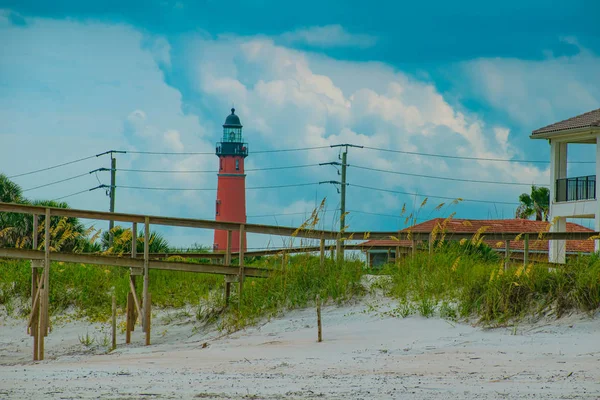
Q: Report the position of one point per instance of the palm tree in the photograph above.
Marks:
(16, 230)
(122, 241)
(537, 203)
(12, 225)
(10, 192)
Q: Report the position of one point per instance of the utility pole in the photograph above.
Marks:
(343, 190)
(113, 182)
(343, 184)
(112, 189)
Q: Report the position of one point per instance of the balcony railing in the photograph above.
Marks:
(232, 149)
(573, 189)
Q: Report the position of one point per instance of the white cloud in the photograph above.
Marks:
(285, 98)
(303, 99)
(535, 93)
(328, 36)
(173, 140)
(160, 49)
(93, 87)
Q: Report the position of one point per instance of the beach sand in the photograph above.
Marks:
(365, 354)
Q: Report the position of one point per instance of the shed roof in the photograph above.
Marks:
(587, 120)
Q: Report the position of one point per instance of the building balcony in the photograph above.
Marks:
(575, 189)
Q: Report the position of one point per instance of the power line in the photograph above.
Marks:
(443, 177)
(378, 214)
(432, 197)
(52, 167)
(171, 153)
(294, 213)
(213, 171)
(69, 195)
(160, 188)
(283, 167)
(166, 153)
(471, 158)
(80, 192)
(283, 186)
(389, 215)
(213, 189)
(288, 150)
(62, 180)
(55, 182)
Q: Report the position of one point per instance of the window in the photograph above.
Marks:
(237, 165)
(220, 163)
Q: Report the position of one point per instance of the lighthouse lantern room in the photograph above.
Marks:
(231, 187)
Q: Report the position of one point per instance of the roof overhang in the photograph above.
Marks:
(577, 135)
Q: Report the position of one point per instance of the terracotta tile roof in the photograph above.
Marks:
(589, 119)
(495, 225)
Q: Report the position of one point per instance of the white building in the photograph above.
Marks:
(571, 197)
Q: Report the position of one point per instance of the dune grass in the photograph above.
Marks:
(453, 282)
(88, 289)
(475, 285)
(295, 284)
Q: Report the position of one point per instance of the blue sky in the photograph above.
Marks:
(470, 79)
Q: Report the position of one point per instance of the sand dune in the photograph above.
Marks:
(365, 355)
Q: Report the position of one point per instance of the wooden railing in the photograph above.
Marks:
(140, 265)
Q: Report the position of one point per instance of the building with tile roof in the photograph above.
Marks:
(382, 251)
(571, 196)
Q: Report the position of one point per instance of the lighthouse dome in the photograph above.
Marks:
(232, 120)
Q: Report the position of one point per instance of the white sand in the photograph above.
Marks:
(365, 355)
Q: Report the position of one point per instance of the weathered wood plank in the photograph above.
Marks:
(322, 254)
(134, 296)
(169, 221)
(241, 260)
(145, 302)
(148, 317)
(32, 326)
(129, 262)
(526, 250)
(272, 230)
(114, 322)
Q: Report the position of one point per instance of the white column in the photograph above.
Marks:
(558, 248)
(558, 170)
(597, 216)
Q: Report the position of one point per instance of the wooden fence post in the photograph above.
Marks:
(130, 318)
(145, 302)
(338, 248)
(228, 263)
(35, 287)
(320, 332)
(148, 317)
(114, 322)
(322, 253)
(506, 254)
(526, 250)
(130, 311)
(430, 243)
(44, 295)
(241, 261)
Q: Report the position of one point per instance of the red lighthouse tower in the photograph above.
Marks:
(231, 187)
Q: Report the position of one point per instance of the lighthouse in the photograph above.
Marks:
(231, 186)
